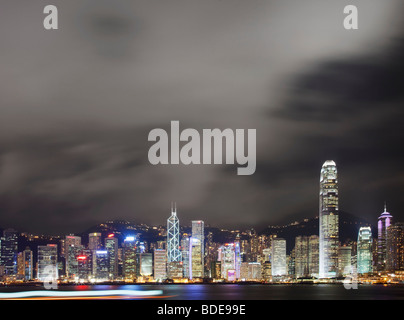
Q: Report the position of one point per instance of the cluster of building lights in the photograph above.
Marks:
(193, 257)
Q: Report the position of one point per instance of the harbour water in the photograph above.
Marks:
(239, 292)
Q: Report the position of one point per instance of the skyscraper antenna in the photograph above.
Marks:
(173, 207)
(385, 206)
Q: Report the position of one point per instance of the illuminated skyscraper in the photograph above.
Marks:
(94, 241)
(160, 264)
(301, 256)
(328, 218)
(197, 252)
(9, 251)
(313, 255)
(101, 265)
(384, 221)
(173, 237)
(278, 257)
(395, 247)
(85, 263)
(111, 245)
(364, 250)
(25, 264)
(229, 256)
(129, 258)
(71, 251)
(47, 262)
(344, 260)
(145, 264)
(185, 255)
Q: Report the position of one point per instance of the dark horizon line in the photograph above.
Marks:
(240, 228)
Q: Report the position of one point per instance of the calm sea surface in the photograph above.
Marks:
(247, 292)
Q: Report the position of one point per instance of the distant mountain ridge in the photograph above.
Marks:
(349, 225)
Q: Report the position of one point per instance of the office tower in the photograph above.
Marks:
(266, 254)
(266, 271)
(344, 261)
(101, 263)
(306, 256)
(111, 245)
(9, 251)
(290, 263)
(145, 264)
(72, 247)
(85, 263)
(27, 264)
(175, 270)
(254, 246)
(364, 251)
(244, 271)
(384, 221)
(278, 263)
(196, 247)
(328, 218)
(245, 250)
(229, 256)
(395, 247)
(129, 259)
(160, 264)
(210, 254)
(94, 241)
(185, 255)
(254, 271)
(301, 256)
(313, 255)
(47, 263)
(173, 237)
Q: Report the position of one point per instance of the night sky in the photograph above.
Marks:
(77, 104)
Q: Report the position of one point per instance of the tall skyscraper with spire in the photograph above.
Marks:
(173, 236)
(384, 221)
(328, 219)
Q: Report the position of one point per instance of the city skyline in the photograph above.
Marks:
(194, 256)
(260, 261)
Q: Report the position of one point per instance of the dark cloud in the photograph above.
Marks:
(350, 110)
(77, 105)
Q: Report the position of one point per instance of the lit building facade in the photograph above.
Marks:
(229, 256)
(278, 257)
(111, 245)
(47, 262)
(94, 241)
(129, 259)
(344, 261)
(9, 251)
(197, 252)
(25, 264)
(145, 264)
(72, 248)
(185, 255)
(364, 260)
(160, 264)
(173, 237)
(101, 265)
(328, 220)
(395, 247)
(385, 220)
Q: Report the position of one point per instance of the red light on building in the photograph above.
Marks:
(111, 235)
(81, 257)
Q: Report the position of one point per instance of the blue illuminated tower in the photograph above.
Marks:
(173, 237)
